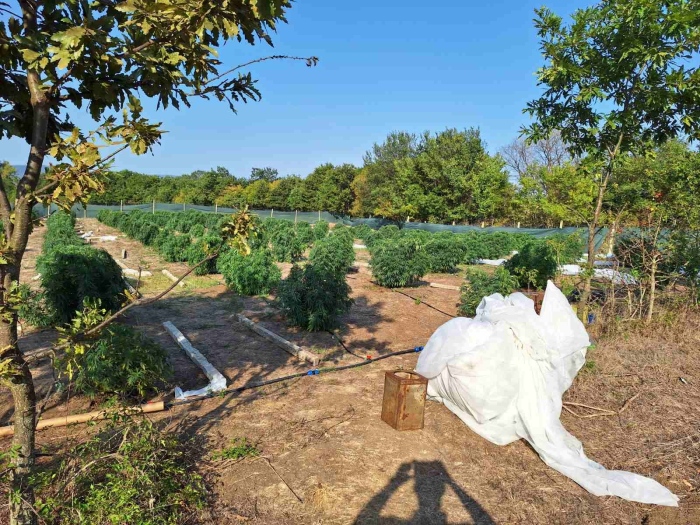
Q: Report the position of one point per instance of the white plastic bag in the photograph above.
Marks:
(504, 372)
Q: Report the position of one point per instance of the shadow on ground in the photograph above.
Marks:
(430, 482)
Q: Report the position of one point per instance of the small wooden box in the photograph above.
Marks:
(404, 399)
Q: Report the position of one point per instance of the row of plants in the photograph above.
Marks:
(312, 297)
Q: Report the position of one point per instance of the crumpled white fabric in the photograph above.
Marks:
(504, 372)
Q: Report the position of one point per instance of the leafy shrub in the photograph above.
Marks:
(32, 306)
(305, 233)
(313, 298)
(479, 284)
(60, 232)
(445, 253)
(70, 274)
(147, 233)
(362, 231)
(534, 265)
(567, 248)
(398, 263)
(334, 254)
(175, 248)
(121, 361)
(385, 233)
(196, 230)
(320, 229)
(286, 247)
(132, 472)
(254, 274)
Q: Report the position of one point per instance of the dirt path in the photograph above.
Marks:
(328, 446)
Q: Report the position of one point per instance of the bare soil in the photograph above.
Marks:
(328, 458)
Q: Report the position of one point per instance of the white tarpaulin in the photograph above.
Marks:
(504, 372)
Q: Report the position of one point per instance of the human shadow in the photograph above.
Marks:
(431, 480)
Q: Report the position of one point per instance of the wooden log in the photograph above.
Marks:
(444, 286)
(285, 345)
(172, 278)
(97, 415)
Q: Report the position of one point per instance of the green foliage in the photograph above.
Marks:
(534, 265)
(333, 254)
(176, 247)
(398, 263)
(238, 449)
(60, 232)
(320, 229)
(254, 274)
(313, 298)
(130, 473)
(197, 230)
(305, 233)
(286, 247)
(121, 361)
(567, 248)
(479, 284)
(73, 272)
(32, 307)
(445, 252)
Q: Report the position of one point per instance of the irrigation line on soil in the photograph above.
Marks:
(423, 302)
(312, 372)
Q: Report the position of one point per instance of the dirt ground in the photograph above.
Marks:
(328, 458)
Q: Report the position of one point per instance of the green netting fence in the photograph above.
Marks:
(92, 210)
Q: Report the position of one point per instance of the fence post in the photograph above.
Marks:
(518, 224)
(272, 212)
(154, 206)
(482, 224)
(183, 206)
(85, 212)
(561, 224)
(121, 206)
(216, 208)
(296, 212)
(319, 215)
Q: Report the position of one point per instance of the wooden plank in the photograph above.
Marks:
(173, 278)
(444, 286)
(285, 345)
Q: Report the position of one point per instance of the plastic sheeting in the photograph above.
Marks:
(504, 372)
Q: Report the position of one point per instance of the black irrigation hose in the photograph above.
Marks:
(312, 372)
(423, 302)
(340, 341)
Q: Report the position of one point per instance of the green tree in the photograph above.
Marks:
(334, 192)
(266, 174)
(101, 56)
(617, 80)
(280, 190)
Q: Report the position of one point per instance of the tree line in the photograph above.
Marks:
(445, 177)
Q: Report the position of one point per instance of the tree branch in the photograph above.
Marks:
(310, 61)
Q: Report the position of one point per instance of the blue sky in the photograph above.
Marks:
(384, 65)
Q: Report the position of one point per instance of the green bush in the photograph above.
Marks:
(320, 229)
(131, 472)
(197, 230)
(32, 307)
(147, 233)
(567, 249)
(479, 284)
(122, 361)
(60, 232)
(445, 252)
(254, 274)
(71, 274)
(174, 249)
(334, 254)
(313, 298)
(398, 263)
(286, 247)
(305, 233)
(534, 265)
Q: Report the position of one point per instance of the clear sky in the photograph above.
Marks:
(384, 65)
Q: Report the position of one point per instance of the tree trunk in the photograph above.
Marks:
(652, 288)
(590, 263)
(22, 388)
